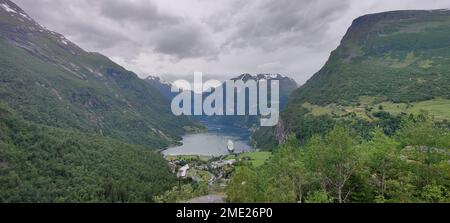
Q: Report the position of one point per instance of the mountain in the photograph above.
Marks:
(287, 86)
(49, 80)
(388, 65)
(75, 126)
(42, 164)
(400, 56)
(165, 88)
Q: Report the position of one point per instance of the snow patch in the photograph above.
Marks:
(165, 82)
(25, 16)
(63, 40)
(57, 94)
(94, 72)
(7, 8)
(98, 74)
(271, 76)
(160, 80)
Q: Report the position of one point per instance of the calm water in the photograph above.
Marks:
(213, 143)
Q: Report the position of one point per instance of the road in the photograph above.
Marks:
(211, 199)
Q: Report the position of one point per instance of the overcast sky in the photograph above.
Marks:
(222, 38)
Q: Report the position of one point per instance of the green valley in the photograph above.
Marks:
(371, 126)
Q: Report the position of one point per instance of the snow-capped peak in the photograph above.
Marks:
(154, 78)
(246, 76)
(25, 16)
(13, 11)
(7, 8)
(63, 40)
(271, 76)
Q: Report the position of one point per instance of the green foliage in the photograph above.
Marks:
(398, 59)
(373, 60)
(337, 157)
(243, 187)
(256, 158)
(410, 165)
(318, 197)
(264, 139)
(183, 193)
(305, 126)
(81, 90)
(383, 159)
(435, 194)
(45, 164)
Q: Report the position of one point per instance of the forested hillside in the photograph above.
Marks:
(412, 165)
(46, 164)
(49, 80)
(75, 126)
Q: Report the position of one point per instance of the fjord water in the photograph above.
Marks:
(213, 142)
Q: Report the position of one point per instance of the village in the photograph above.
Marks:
(213, 170)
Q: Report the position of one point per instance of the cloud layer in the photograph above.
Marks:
(222, 38)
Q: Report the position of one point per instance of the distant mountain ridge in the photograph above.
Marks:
(287, 86)
(165, 88)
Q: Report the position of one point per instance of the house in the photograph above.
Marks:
(182, 172)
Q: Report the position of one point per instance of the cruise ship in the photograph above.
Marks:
(230, 146)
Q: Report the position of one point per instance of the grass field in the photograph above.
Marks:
(325, 110)
(257, 158)
(337, 111)
(439, 108)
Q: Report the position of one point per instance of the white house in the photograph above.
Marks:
(182, 172)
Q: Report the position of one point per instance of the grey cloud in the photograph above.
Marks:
(129, 27)
(94, 35)
(283, 23)
(144, 12)
(84, 29)
(185, 41)
(206, 77)
(225, 37)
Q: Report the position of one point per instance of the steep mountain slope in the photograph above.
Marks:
(45, 164)
(163, 87)
(387, 66)
(401, 56)
(49, 80)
